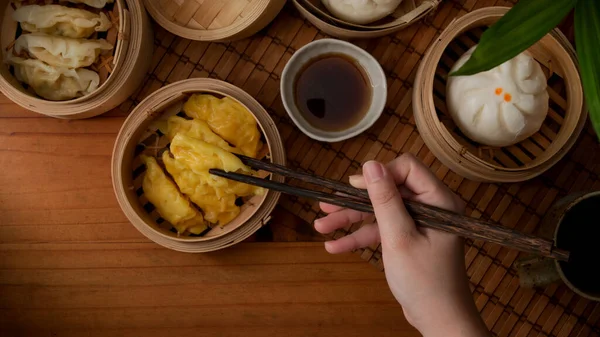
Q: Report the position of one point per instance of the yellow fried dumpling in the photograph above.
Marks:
(227, 118)
(198, 129)
(217, 209)
(197, 229)
(201, 156)
(167, 199)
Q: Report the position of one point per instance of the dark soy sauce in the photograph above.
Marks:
(332, 92)
(580, 234)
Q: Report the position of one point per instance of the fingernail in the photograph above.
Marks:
(327, 245)
(373, 171)
(355, 178)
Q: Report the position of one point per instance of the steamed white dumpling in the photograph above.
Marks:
(92, 3)
(61, 20)
(501, 106)
(61, 51)
(361, 11)
(54, 83)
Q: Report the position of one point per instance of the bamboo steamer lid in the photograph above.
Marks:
(214, 20)
(139, 131)
(415, 10)
(130, 61)
(525, 160)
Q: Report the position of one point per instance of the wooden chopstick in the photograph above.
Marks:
(289, 173)
(333, 199)
(424, 215)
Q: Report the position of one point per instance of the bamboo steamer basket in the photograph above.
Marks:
(533, 156)
(214, 20)
(405, 13)
(138, 135)
(315, 14)
(128, 66)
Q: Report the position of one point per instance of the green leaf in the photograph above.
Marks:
(587, 38)
(522, 26)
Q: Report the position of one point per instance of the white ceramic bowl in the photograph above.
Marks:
(331, 46)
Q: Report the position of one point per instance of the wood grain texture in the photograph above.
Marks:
(71, 264)
(137, 288)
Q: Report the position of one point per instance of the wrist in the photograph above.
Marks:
(449, 320)
(460, 327)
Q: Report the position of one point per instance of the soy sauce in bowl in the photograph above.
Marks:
(332, 92)
(579, 233)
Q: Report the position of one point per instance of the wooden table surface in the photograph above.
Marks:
(72, 265)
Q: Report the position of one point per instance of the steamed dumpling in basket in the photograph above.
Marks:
(361, 11)
(218, 208)
(54, 83)
(162, 192)
(61, 51)
(61, 20)
(501, 106)
(198, 129)
(200, 156)
(227, 118)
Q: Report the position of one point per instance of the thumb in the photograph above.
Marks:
(396, 226)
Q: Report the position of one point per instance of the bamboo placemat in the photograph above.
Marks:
(256, 64)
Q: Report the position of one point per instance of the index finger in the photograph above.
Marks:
(412, 174)
(396, 226)
(408, 171)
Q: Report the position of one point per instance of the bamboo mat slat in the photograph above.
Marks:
(256, 64)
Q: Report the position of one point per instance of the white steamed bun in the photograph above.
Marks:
(501, 106)
(361, 11)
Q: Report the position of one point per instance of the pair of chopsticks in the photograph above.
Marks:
(424, 215)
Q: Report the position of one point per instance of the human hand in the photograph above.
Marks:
(425, 268)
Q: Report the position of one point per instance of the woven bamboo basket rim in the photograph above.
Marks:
(574, 104)
(129, 66)
(399, 17)
(454, 154)
(136, 129)
(243, 22)
(346, 33)
(170, 106)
